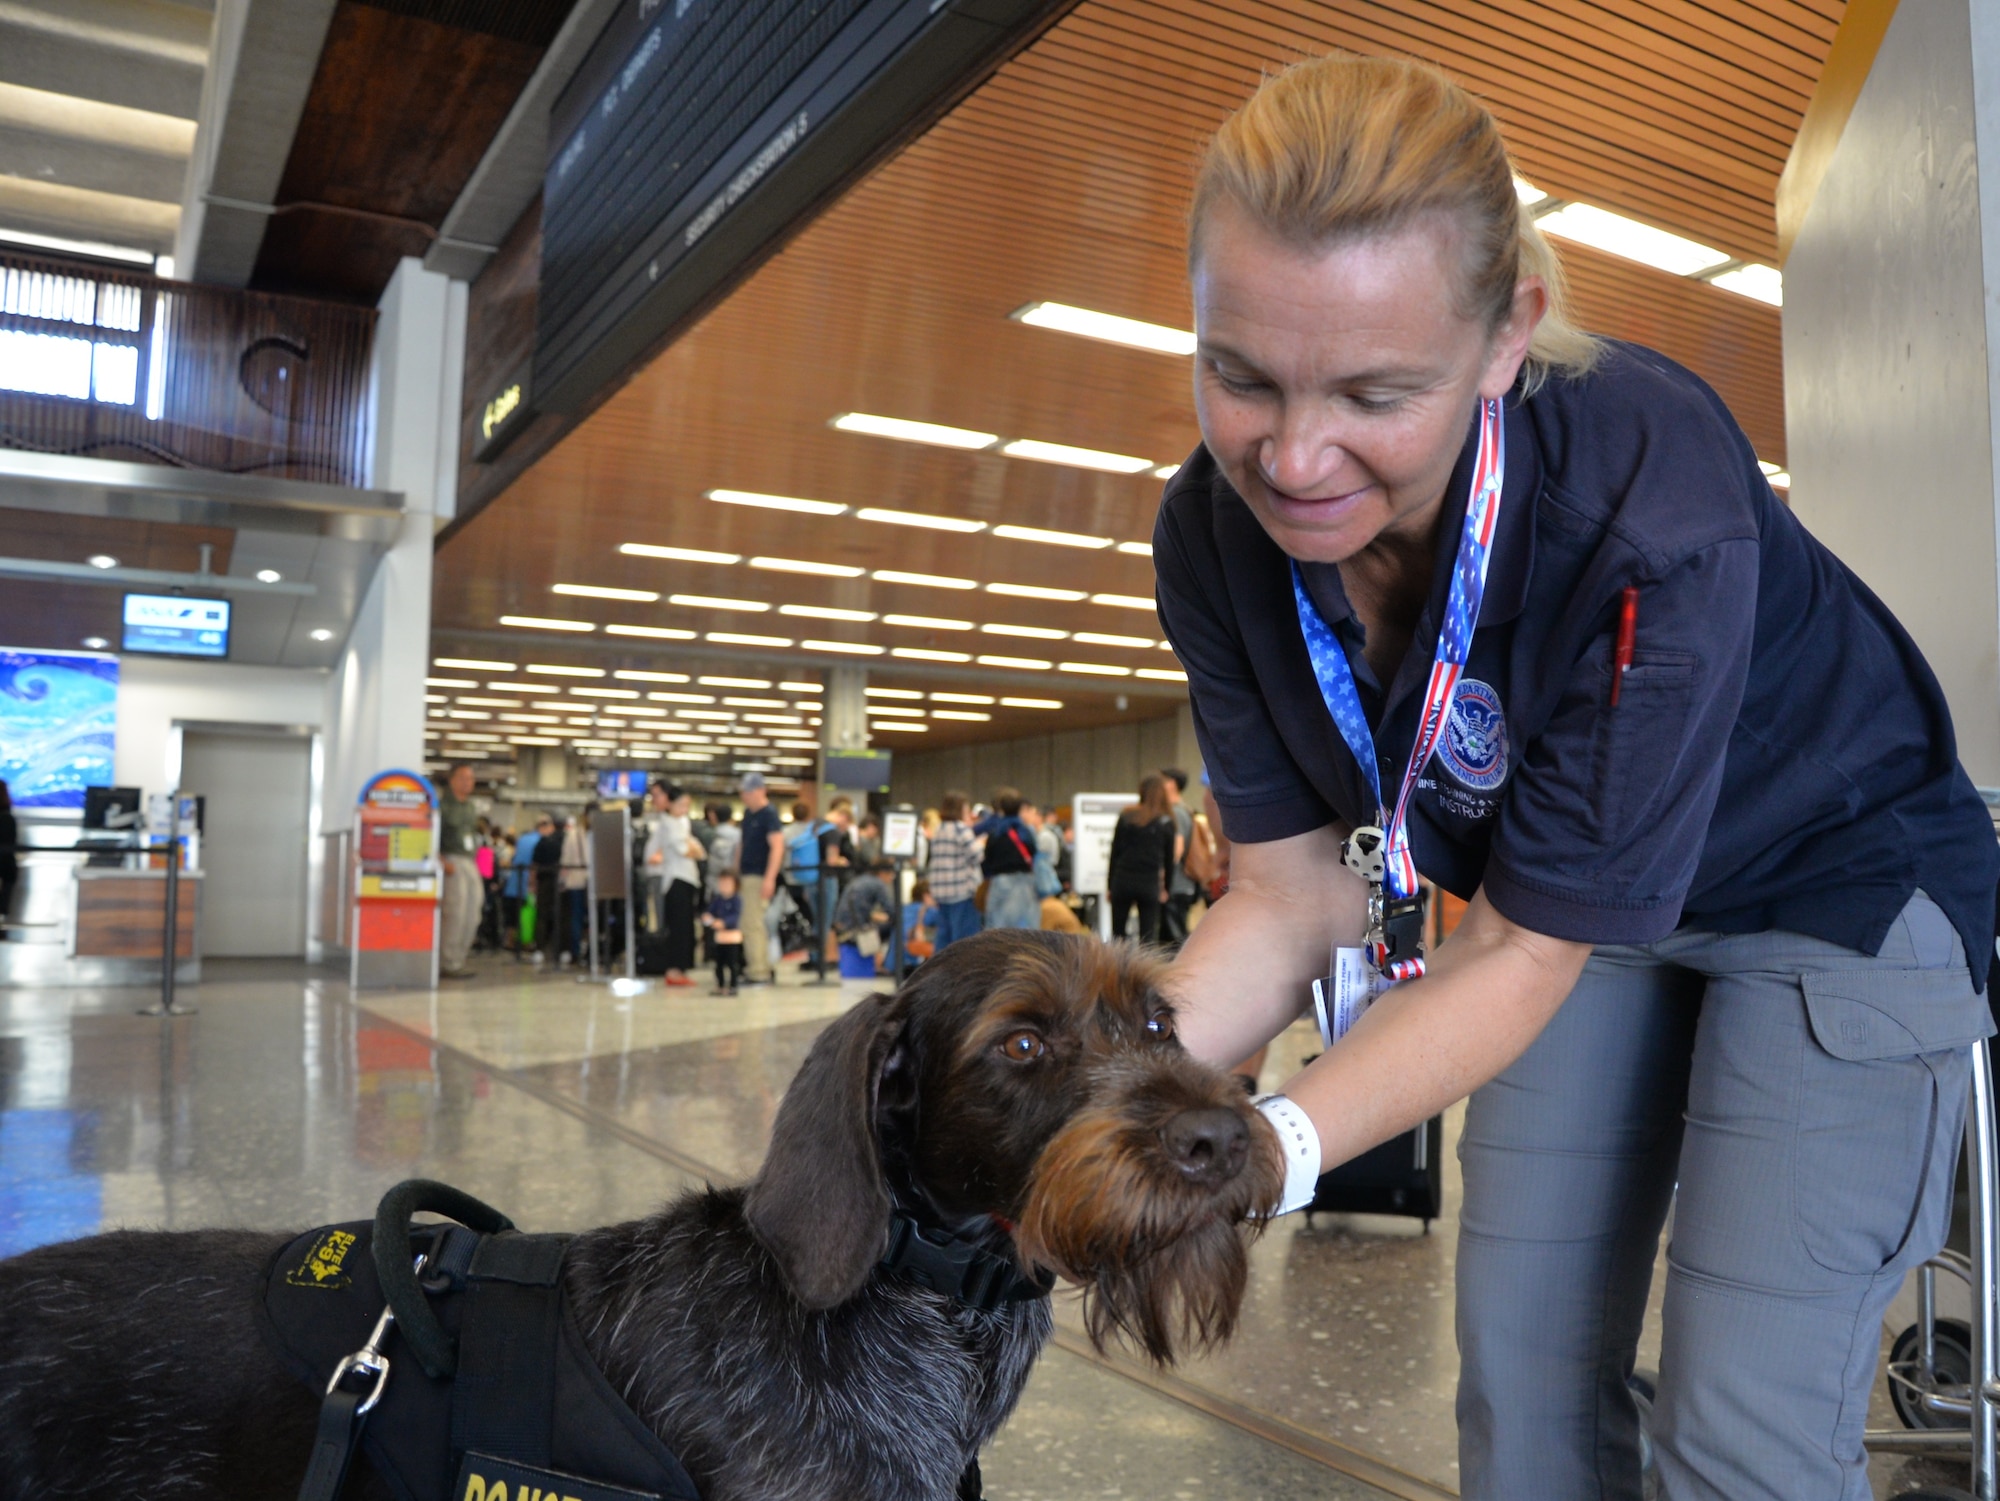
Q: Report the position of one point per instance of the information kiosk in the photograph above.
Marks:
(397, 882)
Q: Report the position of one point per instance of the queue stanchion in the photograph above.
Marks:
(899, 843)
(170, 950)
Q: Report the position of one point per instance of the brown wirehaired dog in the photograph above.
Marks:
(1021, 1103)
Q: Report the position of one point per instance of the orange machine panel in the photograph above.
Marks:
(389, 926)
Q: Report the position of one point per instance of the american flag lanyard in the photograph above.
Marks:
(1380, 852)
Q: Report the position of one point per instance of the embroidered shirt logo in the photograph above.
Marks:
(1474, 744)
(324, 1263)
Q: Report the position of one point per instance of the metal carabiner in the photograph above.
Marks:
(370, 1361)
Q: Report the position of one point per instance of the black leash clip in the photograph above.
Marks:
(344, 1409)
(1403, 928)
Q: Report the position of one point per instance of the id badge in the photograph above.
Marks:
(1340, 998)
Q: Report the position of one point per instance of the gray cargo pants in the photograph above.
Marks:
(1810, 1101)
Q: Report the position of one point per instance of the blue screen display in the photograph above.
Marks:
(176, 626)
(623, 783)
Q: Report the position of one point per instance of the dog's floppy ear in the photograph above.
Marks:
(820, 1206)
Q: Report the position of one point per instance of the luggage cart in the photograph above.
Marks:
(1944, 1376)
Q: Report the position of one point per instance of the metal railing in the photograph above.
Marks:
(110, 364)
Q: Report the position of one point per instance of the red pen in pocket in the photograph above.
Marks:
(1628, 630)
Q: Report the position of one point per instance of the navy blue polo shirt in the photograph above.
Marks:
(1780, 755)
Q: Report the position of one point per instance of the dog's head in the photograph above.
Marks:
(1026, 1083)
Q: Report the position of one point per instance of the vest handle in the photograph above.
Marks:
(435, 1350)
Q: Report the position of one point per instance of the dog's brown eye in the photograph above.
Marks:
(1023, 1047)
(1160, 1025)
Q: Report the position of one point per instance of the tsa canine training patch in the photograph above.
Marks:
(484, 1478)
(1475, 737)
(325, 1263)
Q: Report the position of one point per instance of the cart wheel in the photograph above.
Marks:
(1954, 1368)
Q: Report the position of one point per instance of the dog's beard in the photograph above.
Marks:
(1162, 1261)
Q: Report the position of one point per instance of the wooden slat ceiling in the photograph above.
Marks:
(1065, 178)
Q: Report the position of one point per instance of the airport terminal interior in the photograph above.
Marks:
(437, 437)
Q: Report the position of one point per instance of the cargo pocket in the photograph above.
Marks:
(1639, 739)
(1880, 1072)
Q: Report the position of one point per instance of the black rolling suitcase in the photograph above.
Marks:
(1404, 1176)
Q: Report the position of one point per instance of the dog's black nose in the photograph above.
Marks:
(1207, 1145)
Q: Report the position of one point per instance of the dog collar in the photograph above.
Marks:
(959, 1269)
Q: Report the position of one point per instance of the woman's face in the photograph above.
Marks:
(678, 808)
(1334, 385)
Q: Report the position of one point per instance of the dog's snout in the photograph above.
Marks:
(1207, 1145)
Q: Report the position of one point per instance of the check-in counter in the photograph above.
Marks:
(94, 917)
(122, 914)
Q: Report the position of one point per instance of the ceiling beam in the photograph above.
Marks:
(144, 54)
(118, 578)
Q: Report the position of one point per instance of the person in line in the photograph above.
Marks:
(674, 852)
(920, 921)
(867, 841)
(547, 888)
(1181, 889)
(866, 914)
(1048, 851)
(724, 921)
(1008, 864)
(953, 871)
(802, 858)
(464, 891)
(762, 857)
(576, 886)
(1142, 852)
(1731, 894)
(517, 890)
(724, 841)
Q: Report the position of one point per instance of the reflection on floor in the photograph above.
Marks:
(286, 1102)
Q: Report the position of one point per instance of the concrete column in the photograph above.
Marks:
(844, 720)
(1892, 350)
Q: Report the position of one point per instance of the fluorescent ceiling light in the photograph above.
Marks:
(1079, 458)
(598, 591)
(777, 502)
(1159, 674)
(851, 648)
(701, 714)
(1096, 669)
(1026, 703)
(722, 682)
(935, 714)
(462, 736)
(543, 623)
(1123, 601)
(471, 664)
(1586, 224)
(922, 580)
(1165, 471)
(901, 724)
(1779, 481)
(634, 675)
(448, 714)
(872, 692)
(1029, 664)
(957, 698)
(549, 669)
(775, 761)
(1764, 464)
(737, 638)
(927, 622)
(789, 686)
(516, 739)
(1032, 632)
(1526, 191)
(1056, 539)
(97, 249)
(465, 698)
(470, 683)
(913, 432)
(651, 633)
(1131, 549)
(596, 693)
(890, 711)
(715, 602)
(678, 554)
(927, 654)
(1035, 591)
(1765, 283)
(823, 612)
(918, 518)
(1109, 327)
(639, 709)
(803, 565)
(747, 719)
(1098, 638)
(671, 756)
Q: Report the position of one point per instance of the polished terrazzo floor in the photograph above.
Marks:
(287, 1101)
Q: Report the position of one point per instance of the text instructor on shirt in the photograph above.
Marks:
(1727, 925)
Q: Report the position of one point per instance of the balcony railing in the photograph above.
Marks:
(114, 365)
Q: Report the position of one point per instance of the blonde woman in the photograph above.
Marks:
(1731, 895)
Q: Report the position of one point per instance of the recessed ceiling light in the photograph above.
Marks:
(634, 675)
(1132, 549)
(802, 565)
(1098, 638)
(1159, 674)
(1586, 224)
(913, 432)
(711, 682)
(543, 623)
(1123, 601)
(549, 669)
(1165, 471)
(935, 714)
(929, 654)
(1765, 283)
(1031, 632)
(1005, 703)
(1055, 539)
(918, 518)
(714, 602)
(1109, 327)
(818, 612)
(922, 580)
(471, 664)
(1029, 664)
(1078, 458)
(851, 648)
(598, 591)
(925, 623)
(961, 698)
(777, 502)
(1035, 591)
(264, 576)
(677, 554)
(874, 692)
(104, 560)
(322, 634)
(737, 638)
(98, 643)
(649, 633)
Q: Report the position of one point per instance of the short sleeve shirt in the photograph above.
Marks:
(1780, 756)
(758, 827)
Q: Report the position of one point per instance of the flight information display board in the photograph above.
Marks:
(174, 625)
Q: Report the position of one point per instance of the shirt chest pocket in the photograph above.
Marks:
(1640, 740)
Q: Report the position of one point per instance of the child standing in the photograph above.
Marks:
(724, 919)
